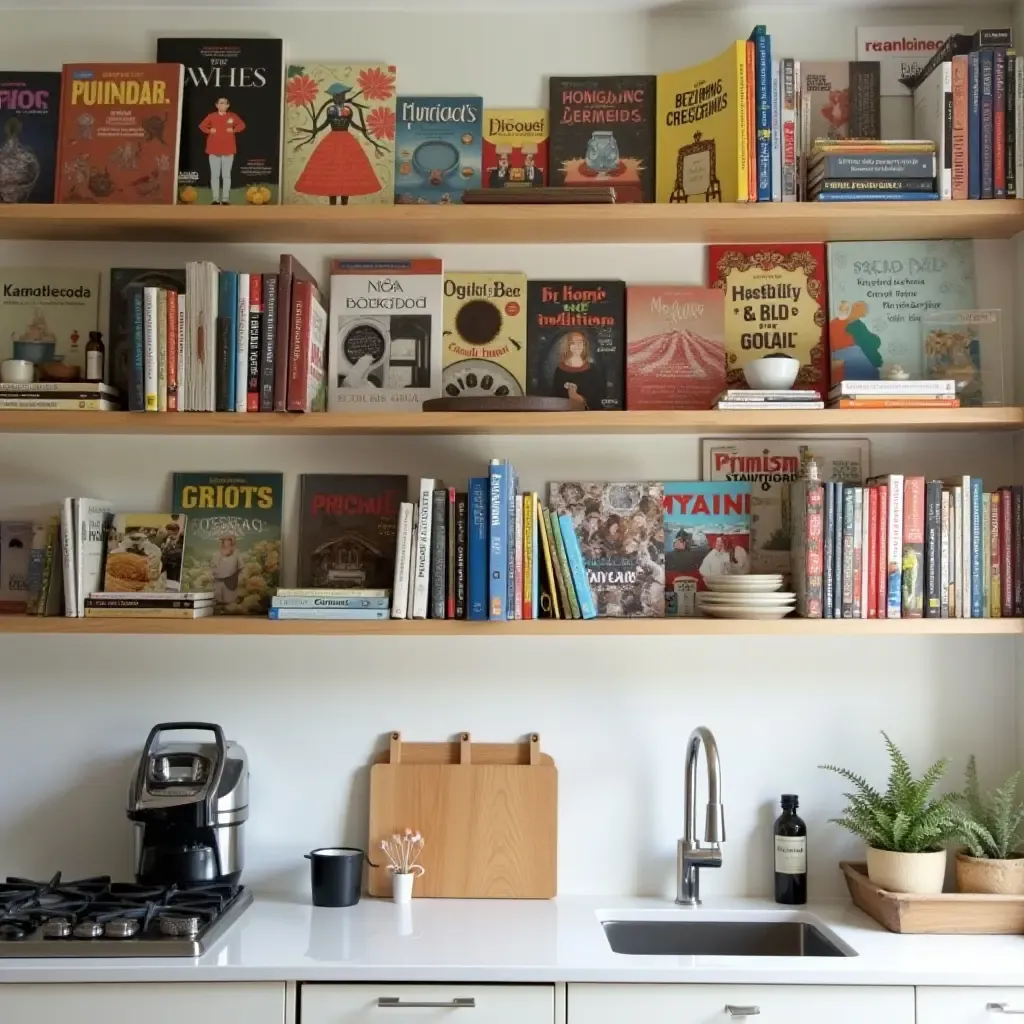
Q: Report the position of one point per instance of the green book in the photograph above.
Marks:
(563, 564)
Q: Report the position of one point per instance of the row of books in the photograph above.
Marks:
(852, 170)
(906, 547)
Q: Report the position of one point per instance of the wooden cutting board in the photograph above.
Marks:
(488, 813)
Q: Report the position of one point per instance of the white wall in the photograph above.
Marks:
(614, 713)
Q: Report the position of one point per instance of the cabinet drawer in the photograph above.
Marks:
(969, 1005)
(426, 1004)
(720, 1004)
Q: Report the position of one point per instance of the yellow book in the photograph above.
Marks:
(527, 555)
(515, 147)
(702, 131)
(549, 571)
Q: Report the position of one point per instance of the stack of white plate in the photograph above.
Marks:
(746, 597)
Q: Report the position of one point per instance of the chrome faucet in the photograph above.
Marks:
(690, 855)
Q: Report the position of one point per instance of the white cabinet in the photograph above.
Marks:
(426, 1004)
(172, 1003)
(720, 1004)
(969, 1005)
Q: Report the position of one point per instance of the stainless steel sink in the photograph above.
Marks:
(720, 938)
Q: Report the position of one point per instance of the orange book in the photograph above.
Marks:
(119, 133)
(961, 72)
(895, 403)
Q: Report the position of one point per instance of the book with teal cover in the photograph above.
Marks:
(878, 292)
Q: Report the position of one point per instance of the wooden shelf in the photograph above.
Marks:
(767, 222)
(240, 626)
(828, 421)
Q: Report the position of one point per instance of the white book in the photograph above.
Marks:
(1018, 128)
(150, 349)
(931, 111)
(776, 131)
(68, 532)
(865, 543)
(958, 543)
(894, 549)
(944, 558)
(962, 501)
(518, 610)
(94, 518)
(242, 344)
(180, 336)
(400, 588)
(202, 281)
(421, 580)
(411, 558)
(163, 340)
(898, 388)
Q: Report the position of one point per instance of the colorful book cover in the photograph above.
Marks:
(675, 347)
(46, 314)
(439, 148)
(575, 342)
(234, 537)
(385, 334)
(841, 99)
(484, 335)
(497, 540)
(913, 564)
(230, 119)
(703, 137)
(620, 527)
(707, 533)
(807, 499)
(476, 549)
(775, 303)
(602, 133)
(29, 109)
(878, 292)
(144, 552)
(515, 148)
(770, 465)
(763, 111)
(577, 569)
(339, 134)
(119, 133)
(348, 530)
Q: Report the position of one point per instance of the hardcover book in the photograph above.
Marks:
(29, 109)
(230, 121)
(234, 537)
(339, 134)
(878, 292)
(15, 552)
(770, 465)
(575, 342)
(484, 334)
(675, 347)
(119, 133)
(348, 530)
(438, 149)
(602, 133)
(775, 303)
(144, 553)
(515, 148)
(707, 533)
(620, 527)
(385, 334)
(840, 100)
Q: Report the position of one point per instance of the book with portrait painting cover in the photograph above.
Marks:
(339, 134)
(575, 342)
(230, 119)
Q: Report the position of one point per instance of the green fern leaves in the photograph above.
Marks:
(990, 825)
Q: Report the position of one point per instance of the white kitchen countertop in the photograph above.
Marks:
(534, 941)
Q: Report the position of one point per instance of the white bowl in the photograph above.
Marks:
(772, 373)
(17, 371)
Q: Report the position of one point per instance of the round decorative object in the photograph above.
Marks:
(772, 373)
(919, 873)
(435, 159)
(998, 877)
(523, 403)
(479, 378)
(478, 322)
(19, 166)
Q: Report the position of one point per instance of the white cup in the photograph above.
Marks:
(17, 371)
(401, 883)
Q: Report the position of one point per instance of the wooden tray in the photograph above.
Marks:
(511, 403)
(944, 914)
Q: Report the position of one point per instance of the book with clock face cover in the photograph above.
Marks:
(438, 148)
(29, 109)
(230, 120)
(775, 304)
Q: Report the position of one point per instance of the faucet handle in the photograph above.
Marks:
(714, 825)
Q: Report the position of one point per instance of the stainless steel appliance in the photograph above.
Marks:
(189, 802)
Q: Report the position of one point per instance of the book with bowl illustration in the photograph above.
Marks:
(144, 552)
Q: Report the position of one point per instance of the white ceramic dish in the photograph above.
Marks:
(752, 599)
(17, 371)
(772, 373)
(743, 584)
(759, 614)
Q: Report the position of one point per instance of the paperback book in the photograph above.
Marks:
(144, 553)
(515, 148)
(30, 109)
(439, 148)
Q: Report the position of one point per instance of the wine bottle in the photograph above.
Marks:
(790, 854)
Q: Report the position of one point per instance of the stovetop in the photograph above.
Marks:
(95, 917)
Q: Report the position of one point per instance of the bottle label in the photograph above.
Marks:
(93, 366)
(791, 855)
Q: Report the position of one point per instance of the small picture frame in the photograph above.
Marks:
(697, 172)
(966, 346)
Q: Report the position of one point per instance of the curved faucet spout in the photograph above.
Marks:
(691, 856)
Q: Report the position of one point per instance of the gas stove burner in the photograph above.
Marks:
(14, 931)
(56, 928)
(180, 924)
(88, 930)
(121, 928)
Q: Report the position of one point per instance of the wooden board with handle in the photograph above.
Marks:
(488, 813)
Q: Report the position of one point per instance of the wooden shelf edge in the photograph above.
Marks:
(828, 421)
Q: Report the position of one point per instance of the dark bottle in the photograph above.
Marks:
(790, 854)
(95, 358)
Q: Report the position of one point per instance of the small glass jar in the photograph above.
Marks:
(602, 152)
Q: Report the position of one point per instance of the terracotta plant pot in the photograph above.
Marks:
(920, 873)
(1000, 877)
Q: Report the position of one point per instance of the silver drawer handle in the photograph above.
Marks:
(743, 1011)
(1002, 1008)
(393, 1002)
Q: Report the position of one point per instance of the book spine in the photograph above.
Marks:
(172, 350)
(986, 556)
(987, 58)
(881, 542)
(872, 573)
(476, 555)
(400, 588)
(461, 564)
(571, 597)
(828, 567)
(894, 403)
(162, 343)
(894, 548)
(995, 557)
(329, 614)
(837, 547)
(873, 185)
(944, 557)
(512, 484)
(945, 177)
(529, 523)
(1017, 548)
(956, 609)
(747, 79)
(421, 578)
(865, 576)
(977, 550)
(81, 404)
(449, 592)
(960, 145)
(550, 564)
(340, 602)
(933, 550)
(241, 345)
(252, 384)
(1018, 128)
(137, 368)
(965, 547)
(849, 506)
(298, 354)
(763, 108)
(438, 553)
(223, 364)
(497, 586)
(534, 538)
(999, 122)
(1006, 551)
(865, 197)
(283, 336)
(808, 559)
(578, 571)
(858, 549)
(865, 99)
(872, 165)
(268, 335)
(519, 523)
(913, 555)
(1011, 126)
(776, 131)
(789, 130)
(152, 343)
(974, 126)
(183, 403)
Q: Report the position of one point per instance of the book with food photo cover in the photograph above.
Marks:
(144, 552)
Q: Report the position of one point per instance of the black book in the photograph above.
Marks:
(31, 116)
(268, 335)
(224, 402)
(865, 99)
(957, 45)
(1018, 550)
(461, 513)
(438, 554)
(933, 550)
(1011, 126)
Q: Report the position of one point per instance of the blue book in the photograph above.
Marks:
(330, 603)
(476, 549)
(974, 128)
(31, 104)
(977, 551)
(988, 118)
(497, 551)
(512, 482)
(227, 305)
(876, 166)
(331, 614)
(136, 299)
(763, 111)
(876, 197)
(574, 556)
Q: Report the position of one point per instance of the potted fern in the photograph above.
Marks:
(991, 829)
(904, 827)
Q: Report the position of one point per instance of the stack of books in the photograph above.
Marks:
(71, 395)
(144, 605)
(852, 170)
(894, 394)
(365, 604)
(781, 401)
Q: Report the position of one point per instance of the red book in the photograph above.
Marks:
(881, 552)
(306, 381)
(872, 493)
(961, 71)
(289, 270)
(751, 121)
(119, 133)
(1016, 552)
(172, 350)
(913, 547)
(1006, 550)
(999, 122)
(775, 304)
(252, 384)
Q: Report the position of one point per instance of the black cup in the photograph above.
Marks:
(337, 875)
